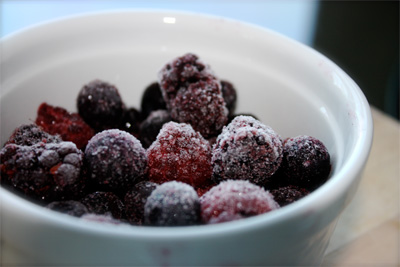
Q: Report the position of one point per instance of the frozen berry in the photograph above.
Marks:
(104, 203)
(235, 199)
(230, 96)
(152, 125)
(70, 126)
(172, 204)
(135, 199)
(115, 159)
(44, 171)
(130, 121)
(247, 150)
(152, 99)
(288, 194)
(70, 207)
(306, 161)
(179, 153)
(30, 134)
(100, 105)
(193, 94)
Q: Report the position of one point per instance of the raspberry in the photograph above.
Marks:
(152, 99)
(100, 105)
(44, 171)
(152, 125)
(172, 204)
(103, 203)
(70, 207)
(70, 126)
(193, 95)
(233, 200)
(247, 150)
(306, 161)
(130, 121)
(30, 134)
(288, 194)
(230, 96)
(135, 199)
(115, 159)
(179, 153)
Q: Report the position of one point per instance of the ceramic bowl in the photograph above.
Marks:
(289, 86)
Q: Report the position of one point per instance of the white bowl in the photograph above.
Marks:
(289, 86)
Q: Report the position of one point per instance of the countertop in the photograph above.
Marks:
(368, 231)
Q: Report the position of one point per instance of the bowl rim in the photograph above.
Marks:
(320, 198)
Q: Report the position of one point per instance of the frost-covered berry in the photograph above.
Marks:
(69, 126)
(285, 195)
(306, 161)
(30, 134)
(152, 125)
(104, 203)
(135, 199)
(193, 94)
(246, 150)
(152, 99)
(130, 121)
(70, 207)
(115, 159)
(100, 105)
(230, 96)
(172, 204)
(233, 200)
(179, 153)
(45, 171)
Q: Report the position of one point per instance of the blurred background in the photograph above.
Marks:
(362, 37)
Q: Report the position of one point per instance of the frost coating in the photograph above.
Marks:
(246, 150)
(233, 200)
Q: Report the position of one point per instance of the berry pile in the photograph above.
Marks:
(184, 158)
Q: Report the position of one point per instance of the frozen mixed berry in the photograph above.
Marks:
(193, 94)
(100, 105)
(172, 204)
(70, 207)
(230, 96)
(46, 171)
(285, 195)
(152, 125)
(115, 160)
(306, 161)
(104, 203)
(179, 153)
(246, 150)
(70, 126)
(30, 134)
(233, 200)
(130, 121)
(152, 99)
(135, 199)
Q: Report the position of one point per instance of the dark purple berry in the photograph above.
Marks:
(104, 203)
(135, 199)
(230, 96)
(70, 207)
(288, 194)
(115, 160)
(152, 99)
(172, 204)
(131, 121)
(30, 134)
(100, 105)
(306, 161)
(152, 125)
(246, 150)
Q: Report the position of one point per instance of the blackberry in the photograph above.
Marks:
(233, 200)
(152, 125)
(100, 105)
(172, 204)
(131, 121)
(285, 195)
(152, 99)
(103, 203)
(115, 160)
(30, 134)
(246, 150)
(70, 207)
(69, 126)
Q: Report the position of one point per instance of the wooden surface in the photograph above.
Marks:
(367, 233)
